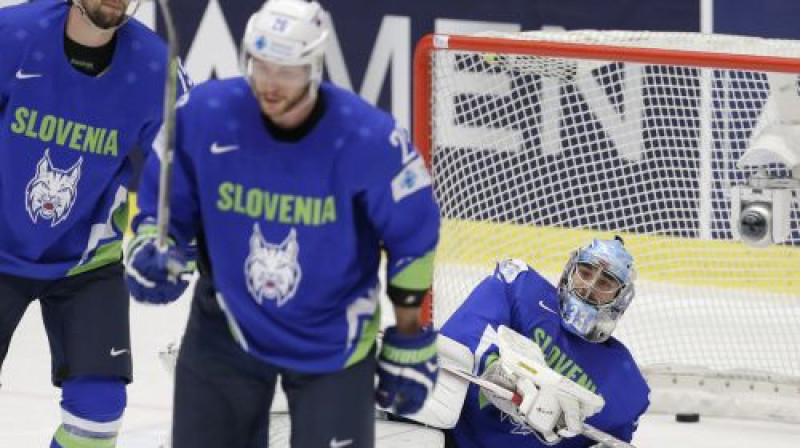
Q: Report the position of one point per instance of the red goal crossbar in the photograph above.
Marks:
(433, 42)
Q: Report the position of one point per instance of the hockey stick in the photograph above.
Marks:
(168, 129)
(588, 430)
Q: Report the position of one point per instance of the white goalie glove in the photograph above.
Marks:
(552, 405)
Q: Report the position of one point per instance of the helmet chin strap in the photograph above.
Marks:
(311, 92)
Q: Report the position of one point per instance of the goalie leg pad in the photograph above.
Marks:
(91, 409)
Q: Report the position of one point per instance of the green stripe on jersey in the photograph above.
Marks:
(417, 276)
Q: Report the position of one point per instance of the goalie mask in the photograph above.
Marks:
(287, 33)
(596, 289)
(99, 17)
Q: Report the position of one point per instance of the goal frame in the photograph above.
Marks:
(422, 131)
(679, 385)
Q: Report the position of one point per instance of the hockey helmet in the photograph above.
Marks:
(596, 288)
(287, 32)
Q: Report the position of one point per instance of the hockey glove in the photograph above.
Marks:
(407, 369)
(494, 373)
(154, 276)
(552, 405)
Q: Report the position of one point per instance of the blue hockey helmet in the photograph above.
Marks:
(596, 289)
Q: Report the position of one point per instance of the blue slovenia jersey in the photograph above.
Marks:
(66, 140)
(294, 230)
(518, 297)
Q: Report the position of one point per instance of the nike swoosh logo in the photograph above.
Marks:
(22, 75)
(115, 352)
(340, 443)
(221, 149)
(542, 304)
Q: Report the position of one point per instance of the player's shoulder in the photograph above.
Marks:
(522, 282)
(31, 17)
(347, 102)
(236, 87)
(615, 345)
(25, 25)
(364, 135)
(354, 113)
(508, 270)
(32, 11)
(218, 94)
(624, 358)
(142, 39)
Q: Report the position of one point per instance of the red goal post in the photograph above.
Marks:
(538, 141)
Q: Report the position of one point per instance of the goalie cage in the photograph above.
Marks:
(538, 141)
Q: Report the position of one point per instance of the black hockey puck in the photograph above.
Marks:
(687, 418)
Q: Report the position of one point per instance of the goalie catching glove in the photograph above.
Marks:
(552, 405)
(154, 276)
(407, 370)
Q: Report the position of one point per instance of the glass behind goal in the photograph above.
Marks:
(538, 141)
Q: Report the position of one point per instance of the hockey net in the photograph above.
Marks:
(539, 141)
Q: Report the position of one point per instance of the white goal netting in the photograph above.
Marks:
(539, 141)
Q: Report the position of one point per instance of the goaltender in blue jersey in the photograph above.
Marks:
(565, 329)
(292, 188)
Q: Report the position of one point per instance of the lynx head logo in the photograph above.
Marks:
(51, 192)
(271, 270)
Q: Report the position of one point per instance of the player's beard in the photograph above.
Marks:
(276, 112)
(108, 17)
